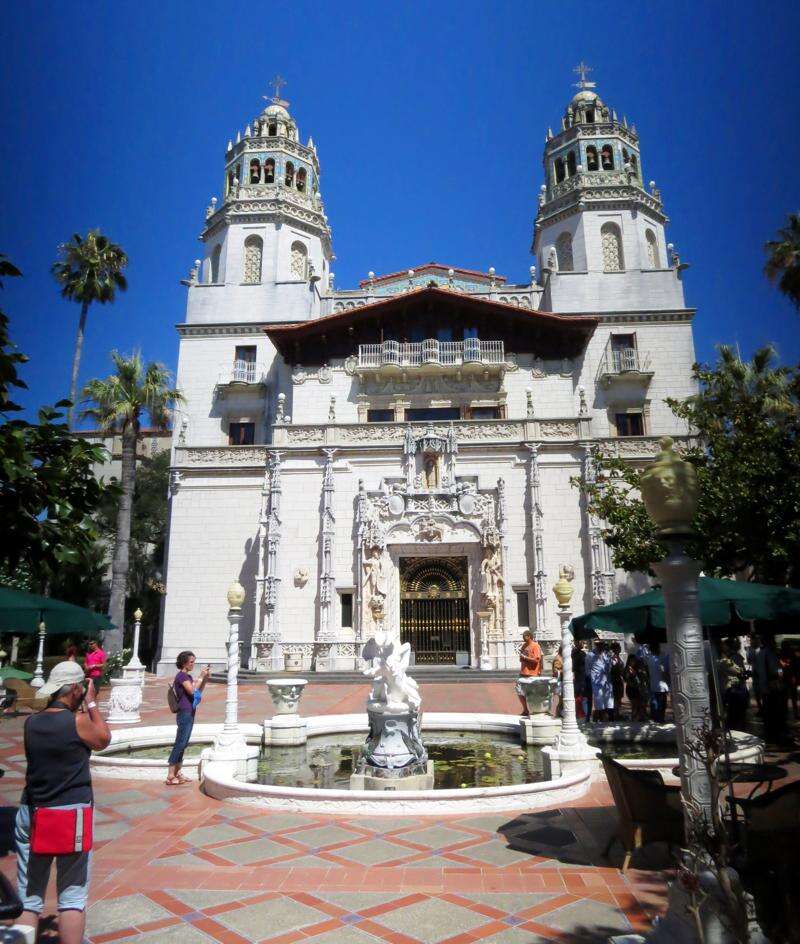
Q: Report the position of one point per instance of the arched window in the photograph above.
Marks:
(590, 116)
(301, 180)
(272, 129)
(230, 180)
(591, 158)
(571, 164)
(269, 171)
(289, 180)
(564, 253)
(253, 250)
(607, 157)
(213, 275)
(652, 249)
(611, 239)
(625, 157)
(634, 165)
(255, 171)
(559, 170)
(298, 261)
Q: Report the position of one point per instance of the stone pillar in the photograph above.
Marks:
(504, 604)
(259, 634)
(570, 748)
(135, 669)
(484, 622)
(538, 582)
(327, 580)
(38, 673)
(230, 745)
(603, 575)
(272, 630)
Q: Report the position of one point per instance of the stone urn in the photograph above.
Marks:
(286, 728)
(292, 662)
(538, 690)
(669, 490)
(125, 701)
(285, 694)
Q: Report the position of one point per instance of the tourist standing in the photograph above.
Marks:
(187, 694)
(591, 655)
(790, 667)
(94, 662)
(58, 742)
(602, 690)
(755, 662)
(530, 665)
(732, 678)
(774, 694)
(659, 687)
(579, 678)
(617, 679)
(557, 670)
(637, 686)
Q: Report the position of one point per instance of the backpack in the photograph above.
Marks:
(172, 698)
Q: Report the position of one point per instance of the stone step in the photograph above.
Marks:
(428, 673)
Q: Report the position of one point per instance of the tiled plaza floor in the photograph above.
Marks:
(172, 866)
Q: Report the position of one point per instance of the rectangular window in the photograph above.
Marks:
(246, 352)
(434, 413)
(346, 604)
(380, 416)
(630, 424)
(523, 614)
(241, 434)
(486, 413)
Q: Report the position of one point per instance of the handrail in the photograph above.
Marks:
(431, 351)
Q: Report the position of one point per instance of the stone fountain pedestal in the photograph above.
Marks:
(286, 728)
(394, 757)
(540, 727)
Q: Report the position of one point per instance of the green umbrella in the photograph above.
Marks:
(21, 613)
(729, 603)
(9, 672)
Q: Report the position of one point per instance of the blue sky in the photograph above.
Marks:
(429, 120)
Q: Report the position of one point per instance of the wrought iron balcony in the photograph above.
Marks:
(430, 352)
(624, 364)
(242, 374)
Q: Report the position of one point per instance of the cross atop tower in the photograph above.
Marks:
(277, 83)
(583, 70)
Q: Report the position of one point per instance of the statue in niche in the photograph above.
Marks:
(431, 465)
(376, 584)
(492, 586)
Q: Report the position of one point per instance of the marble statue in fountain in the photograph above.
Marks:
(394, 757)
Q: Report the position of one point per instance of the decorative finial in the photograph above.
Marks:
(277, 82)
(583, 70)
(137, 615)
(371, 275)
(235, 595)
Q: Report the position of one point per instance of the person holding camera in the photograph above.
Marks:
(187, 695)
(54, 820)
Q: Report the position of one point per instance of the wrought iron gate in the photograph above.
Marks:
(434, 610)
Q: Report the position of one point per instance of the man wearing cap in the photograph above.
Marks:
(58, 742)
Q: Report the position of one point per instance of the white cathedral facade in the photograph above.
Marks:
(402, 452)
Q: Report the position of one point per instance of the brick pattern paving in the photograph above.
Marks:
(172, 866)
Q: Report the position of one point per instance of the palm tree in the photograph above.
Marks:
(118, 404)
(89, 270)
(783, 262)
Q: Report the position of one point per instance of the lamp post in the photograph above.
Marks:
(570, 748)
(38, 673)
(230, 744)
(135, 662)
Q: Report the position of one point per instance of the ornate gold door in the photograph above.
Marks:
(434, 610)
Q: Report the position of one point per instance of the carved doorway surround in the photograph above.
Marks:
(434, 608)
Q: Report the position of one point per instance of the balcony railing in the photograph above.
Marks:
(430, 351)
(242, 372)
(620, 362)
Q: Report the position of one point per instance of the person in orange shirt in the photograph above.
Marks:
(530, 664)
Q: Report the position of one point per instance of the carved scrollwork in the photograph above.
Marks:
(305, 434)
(558, 429)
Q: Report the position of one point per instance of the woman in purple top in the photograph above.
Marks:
(185, 689)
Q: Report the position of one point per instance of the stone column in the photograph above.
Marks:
(570, 748)
(327, 580)
(539, 582)
(259, 634)
(230, 744)
(38, 673)
(504, 604)
(603, 575)
(272, 580)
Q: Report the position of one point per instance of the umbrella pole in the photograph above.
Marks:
(38, 673)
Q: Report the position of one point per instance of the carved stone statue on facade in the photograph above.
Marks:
(376, 585)
(431, 471)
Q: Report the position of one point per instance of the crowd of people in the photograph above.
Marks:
(612, 684)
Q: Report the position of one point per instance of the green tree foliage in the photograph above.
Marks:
(89, 271)
(783, 259)
(747, 419)
(119, 403)
(48, 492)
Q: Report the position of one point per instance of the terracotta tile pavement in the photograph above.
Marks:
(172, 866)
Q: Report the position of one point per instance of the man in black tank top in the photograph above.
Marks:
(58, 742)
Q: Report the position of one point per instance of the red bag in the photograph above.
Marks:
(61, 832)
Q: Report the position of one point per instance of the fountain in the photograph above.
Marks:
(394, 757)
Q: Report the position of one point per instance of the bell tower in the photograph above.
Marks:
(267, 245)
(599, 235)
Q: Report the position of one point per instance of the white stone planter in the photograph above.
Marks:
(286, 728)
(285, 694)
(125, 701)
(538, 690)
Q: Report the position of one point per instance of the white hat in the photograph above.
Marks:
(63, 673)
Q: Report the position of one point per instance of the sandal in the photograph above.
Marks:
(175, 781)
